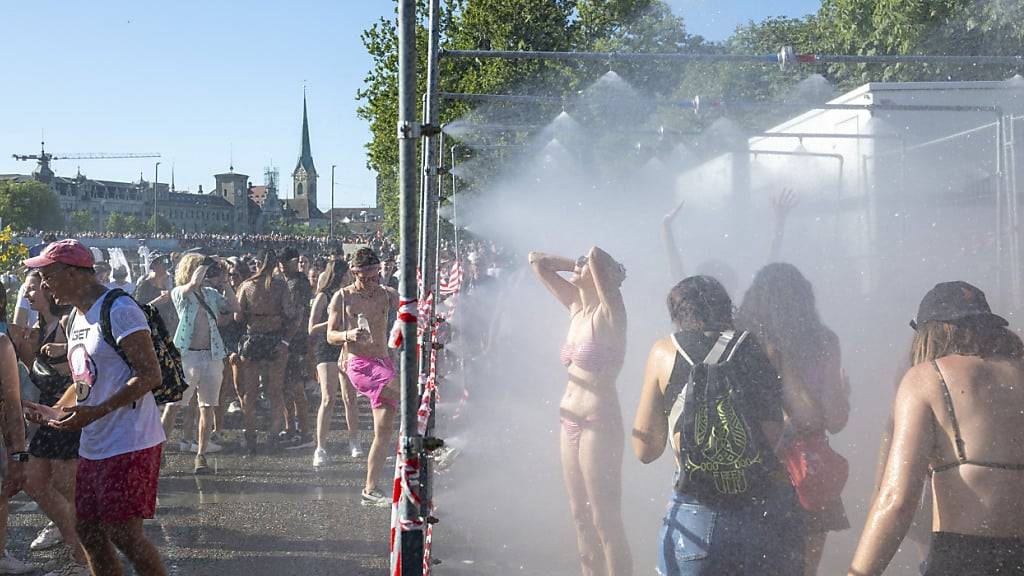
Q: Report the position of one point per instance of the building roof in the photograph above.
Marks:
(303, 209)
(305, 154)
(204, 200)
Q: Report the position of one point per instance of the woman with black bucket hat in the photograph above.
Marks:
(959, 420)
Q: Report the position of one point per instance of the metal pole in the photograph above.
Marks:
(765, 58)
(156, 178)
(428, 248)
(333, 166)
(409, 535)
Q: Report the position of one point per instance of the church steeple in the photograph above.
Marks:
(304, 176)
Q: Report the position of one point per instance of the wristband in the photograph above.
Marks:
(19, 456)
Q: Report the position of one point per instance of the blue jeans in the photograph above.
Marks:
(764, 537)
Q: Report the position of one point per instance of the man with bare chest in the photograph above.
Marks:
(358, 321)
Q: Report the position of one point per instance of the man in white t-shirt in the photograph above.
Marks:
(110, 401)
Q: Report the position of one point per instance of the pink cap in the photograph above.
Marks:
(70, 252)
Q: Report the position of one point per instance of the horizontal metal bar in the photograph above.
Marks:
(825, 135)
(798, 153)
(910, 59)
(608, 56)
(764, 58)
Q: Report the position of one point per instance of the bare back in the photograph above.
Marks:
(988, 401)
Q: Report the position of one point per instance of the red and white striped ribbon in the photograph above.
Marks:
(406, 315)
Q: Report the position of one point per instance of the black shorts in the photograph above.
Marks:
(326, 354)
(963, 555)
(54, 444)
(260, 346)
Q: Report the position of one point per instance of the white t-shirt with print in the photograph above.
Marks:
(99, 373)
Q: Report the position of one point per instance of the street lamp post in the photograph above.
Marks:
(333, 166)
(156, 178)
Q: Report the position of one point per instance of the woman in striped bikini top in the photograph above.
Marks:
(592, 435)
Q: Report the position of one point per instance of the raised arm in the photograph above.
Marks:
(782, 204)
(897, 500)
(608, 275)
(547, 267)
(675, 258)
(650, 427)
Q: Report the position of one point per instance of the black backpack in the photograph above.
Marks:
(172, 376)
(721, 453)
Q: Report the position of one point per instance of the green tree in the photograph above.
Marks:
(970, 27)
(163, 225)
(80, 220)
(117, 223)
(29, 205)
(560, 25)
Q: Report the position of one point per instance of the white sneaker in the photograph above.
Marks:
(234, 407)
(48, 538)
(11, 565)
(319, 457)
(355, 448)
(211, 447)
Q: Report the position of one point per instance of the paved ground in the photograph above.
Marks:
(264, 515)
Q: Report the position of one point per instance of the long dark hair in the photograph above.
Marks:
(330, 281)
(700, 303)
(266, 269)
(779, 310)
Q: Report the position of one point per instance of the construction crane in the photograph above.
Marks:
(45, 156)
(44, 173)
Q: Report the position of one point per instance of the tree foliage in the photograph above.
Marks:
(860, 27)
(29, 205)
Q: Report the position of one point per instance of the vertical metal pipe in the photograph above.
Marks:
(428, 223)
(331, 235)
(408, 542)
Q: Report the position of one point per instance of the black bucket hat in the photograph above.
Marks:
(953, 301)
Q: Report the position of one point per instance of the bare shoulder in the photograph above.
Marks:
(920, 383)
(662, 358)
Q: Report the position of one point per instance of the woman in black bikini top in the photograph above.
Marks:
(964, 395)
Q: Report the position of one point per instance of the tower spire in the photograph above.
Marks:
(306, 153)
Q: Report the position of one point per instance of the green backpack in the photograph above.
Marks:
(721, 453)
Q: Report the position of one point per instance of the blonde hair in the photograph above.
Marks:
(968, 338)
(187, 267)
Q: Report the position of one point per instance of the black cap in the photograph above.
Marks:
(953, 301)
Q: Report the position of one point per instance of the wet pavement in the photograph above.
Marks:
(264, 515)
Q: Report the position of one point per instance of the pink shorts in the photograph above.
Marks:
(369, 376)
(119, 488)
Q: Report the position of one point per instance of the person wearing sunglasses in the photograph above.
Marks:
(592, 430)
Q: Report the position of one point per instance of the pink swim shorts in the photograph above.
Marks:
(369, 376)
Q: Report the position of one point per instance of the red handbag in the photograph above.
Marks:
(817, 471)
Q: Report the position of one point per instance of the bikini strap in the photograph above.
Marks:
(961, 454)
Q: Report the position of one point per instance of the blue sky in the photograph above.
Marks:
(207, 82)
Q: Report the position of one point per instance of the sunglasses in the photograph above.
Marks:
(582, 261)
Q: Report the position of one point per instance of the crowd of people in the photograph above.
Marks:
(226, 243)
(745, 397)
(85, 331)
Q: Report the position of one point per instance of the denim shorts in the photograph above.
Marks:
(764, 537)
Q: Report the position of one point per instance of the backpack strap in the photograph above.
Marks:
(202, 302)
(718, 350)
(104, 322)
(679, 348)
